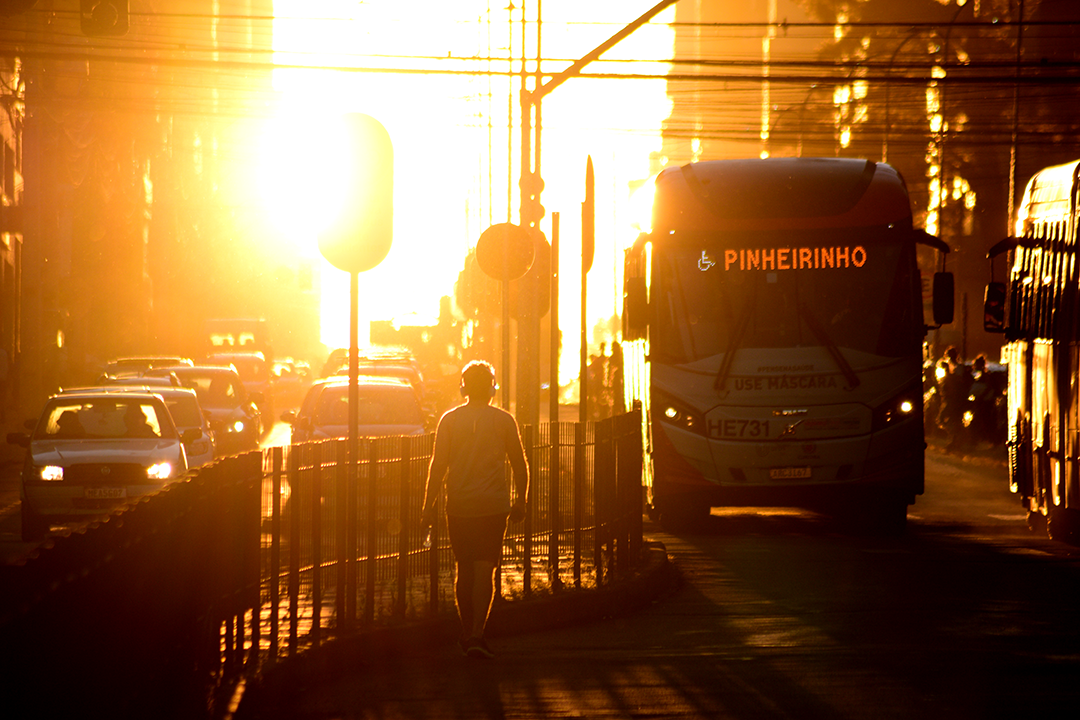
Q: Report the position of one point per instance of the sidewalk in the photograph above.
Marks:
(280, 687)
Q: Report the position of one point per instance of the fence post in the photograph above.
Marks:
(295, 509)
(341, 512)
(578, 481)
(602, 467)
(554, 510)
(529, 441)
(405, 516)
(371, 463)
(316, 543)
(352, 529)
(275, 549)
(622, 487)
(635, 474)
(252, 491)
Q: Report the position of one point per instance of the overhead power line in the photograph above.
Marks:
(892, 76)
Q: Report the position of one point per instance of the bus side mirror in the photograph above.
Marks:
(994, 308)
(943, 298)
(635, 308)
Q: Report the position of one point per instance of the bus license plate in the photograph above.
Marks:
(789, 473)
(106, 493)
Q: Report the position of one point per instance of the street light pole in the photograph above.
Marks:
(530, 183)
(1013, 154)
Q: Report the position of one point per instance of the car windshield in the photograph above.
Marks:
(218, 390)
(379, 405)
(103, 418)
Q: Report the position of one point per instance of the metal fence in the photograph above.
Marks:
(265, 555)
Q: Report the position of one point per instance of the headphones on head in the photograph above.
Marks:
(494, 385)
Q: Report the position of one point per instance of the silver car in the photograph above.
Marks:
(184, 406)
(387, 406)
(92, 451)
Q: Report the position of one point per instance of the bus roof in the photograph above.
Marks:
(1049, 192)
(779, 193)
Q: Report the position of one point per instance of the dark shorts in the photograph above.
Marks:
(476, 539)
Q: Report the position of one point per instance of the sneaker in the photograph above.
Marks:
(463, 645)
(477, 648)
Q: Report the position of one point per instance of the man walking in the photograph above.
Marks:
(472, 443)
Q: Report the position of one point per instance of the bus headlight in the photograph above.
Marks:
(897, 409)
(674, 412)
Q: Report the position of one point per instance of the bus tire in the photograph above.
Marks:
(1063, 525)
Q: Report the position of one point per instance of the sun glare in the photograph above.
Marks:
(456, 167)
(303, 175)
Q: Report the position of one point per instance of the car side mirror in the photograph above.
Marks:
(19, 438)
(943, 298)
(289, 416)
(994, 308)
(190, 435)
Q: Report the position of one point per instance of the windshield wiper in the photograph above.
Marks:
(823, 338)
(733, 346)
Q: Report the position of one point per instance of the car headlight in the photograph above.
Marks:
(159, 471)
(236, 427)
(52, 473)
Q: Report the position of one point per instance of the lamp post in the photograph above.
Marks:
(531, 184)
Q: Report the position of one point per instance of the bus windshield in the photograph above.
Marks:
(855, 289)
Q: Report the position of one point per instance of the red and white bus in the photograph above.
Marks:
(774, 328)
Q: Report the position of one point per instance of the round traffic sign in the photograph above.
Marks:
(359, 236)
(505, 251)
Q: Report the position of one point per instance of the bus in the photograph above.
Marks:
(773, 328)
(1036, 309)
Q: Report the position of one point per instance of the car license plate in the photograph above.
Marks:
(789, 473)
(106, 493)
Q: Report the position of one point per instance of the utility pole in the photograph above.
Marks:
(531, 211)
(1013, 154)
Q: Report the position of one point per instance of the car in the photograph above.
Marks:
(387, 362)
(254, 372)
(289, 379)
(91, 451)
(234, 418)
(184, 406)
(388, 406)
(136, 365)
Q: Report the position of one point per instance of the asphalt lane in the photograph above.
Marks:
(782, 614)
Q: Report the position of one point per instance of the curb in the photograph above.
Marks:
(265, 695)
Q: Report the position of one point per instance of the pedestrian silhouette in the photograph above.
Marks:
(472, 443)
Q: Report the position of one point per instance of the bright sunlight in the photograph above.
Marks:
(445, 99)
